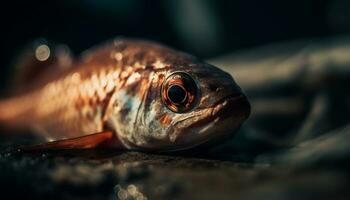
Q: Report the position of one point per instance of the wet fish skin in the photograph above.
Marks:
(117, 86)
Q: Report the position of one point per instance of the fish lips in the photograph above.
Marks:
(220, 121)
(235, 105)
(228, 114)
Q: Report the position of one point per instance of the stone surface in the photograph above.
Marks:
(132, 175)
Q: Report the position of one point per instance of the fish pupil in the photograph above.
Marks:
(177, 94)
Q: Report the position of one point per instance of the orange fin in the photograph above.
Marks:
(102, 140)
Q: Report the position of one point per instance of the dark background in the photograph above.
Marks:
(205, 28)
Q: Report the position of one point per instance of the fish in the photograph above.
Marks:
(127, 94)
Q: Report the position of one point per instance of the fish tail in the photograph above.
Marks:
(7, 113)
(14, 113)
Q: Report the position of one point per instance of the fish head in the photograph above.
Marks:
(170, 100)
(192, 104)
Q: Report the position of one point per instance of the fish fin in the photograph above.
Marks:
(102, 140)
(38, 58)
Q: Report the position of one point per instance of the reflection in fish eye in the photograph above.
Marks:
(177, 94)
(180, 92)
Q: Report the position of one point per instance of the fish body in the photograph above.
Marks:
(148, 95)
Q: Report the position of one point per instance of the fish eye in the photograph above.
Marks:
(177, 94)
(180, 92)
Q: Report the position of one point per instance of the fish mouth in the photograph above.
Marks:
(221, 119)
(232, 105)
